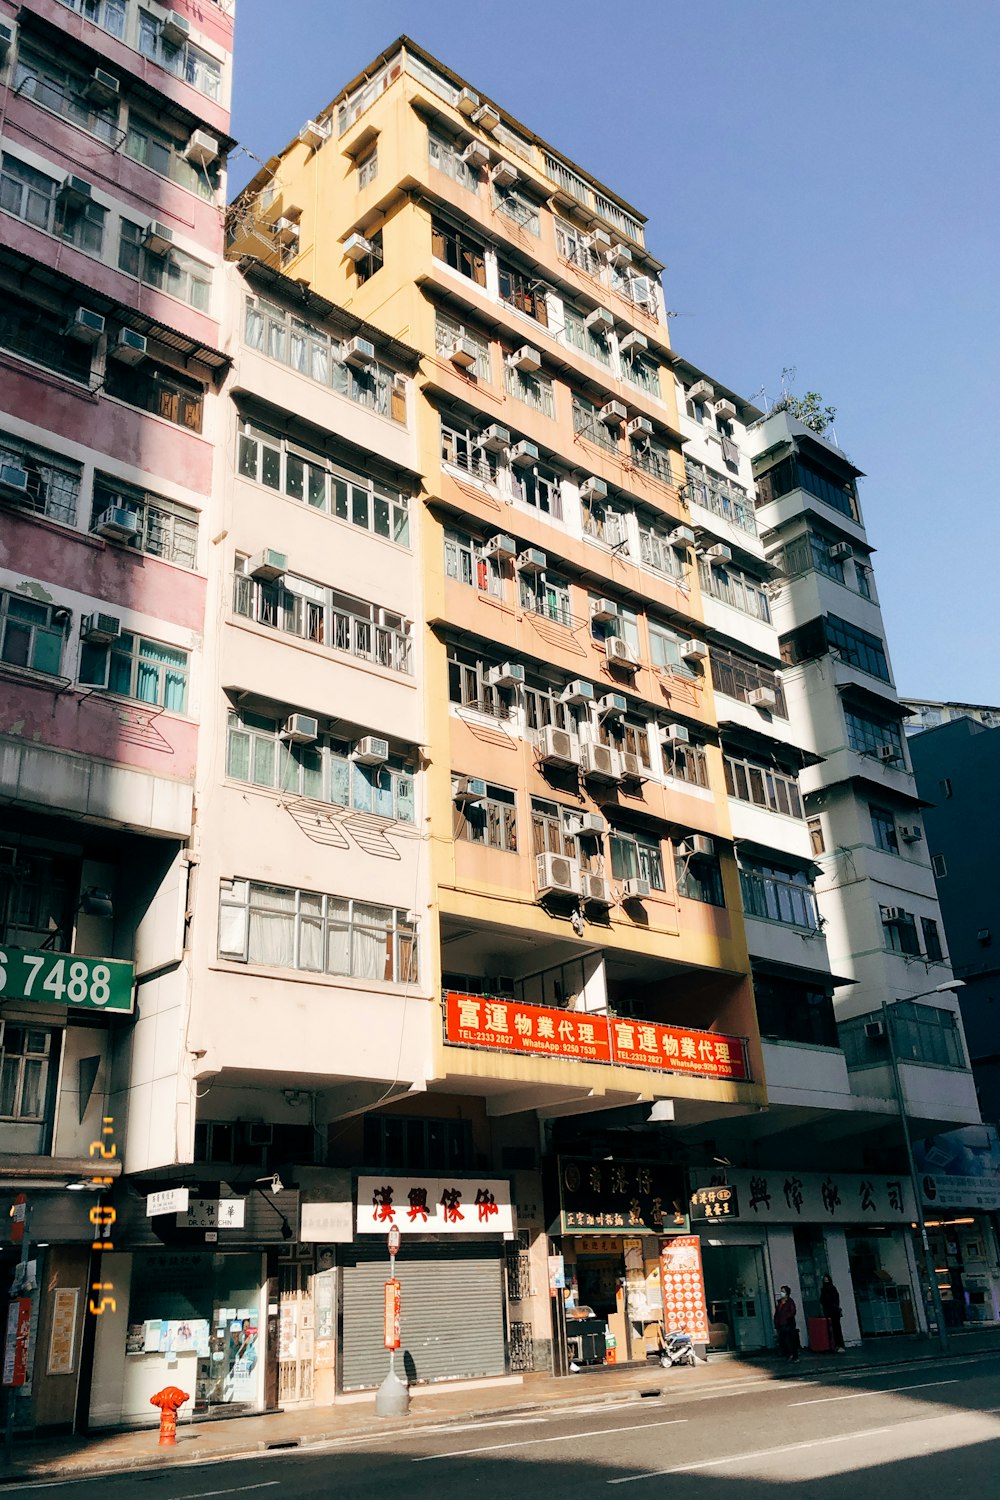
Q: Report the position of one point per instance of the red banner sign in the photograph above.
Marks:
(683, 1287)
(510, 1026)
(392, 1314)
(16, 1340)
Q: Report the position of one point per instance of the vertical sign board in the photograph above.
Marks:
(392, 1314)
(683, 1286)
(15, 1349)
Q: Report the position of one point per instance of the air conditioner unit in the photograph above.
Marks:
(613, 413)
(717, 554)
(588, 825)
(157, 238)
(500, 546)
(85, 325)
(593, 489)
(7, 33)
(510, 675)
(700, 846)
(838, 551)
(526, 359)
(677, 734)
(356, 247)
(129, 346)
(612, 705)
(495, 438)
(100, 630)
(468, 102)
(600, 762)
(371, 751)
(726, 410)
(523, 455)
(681, 537)
(118, 524)
(486, 117)
(202, 149)
(911, 833)
(286, 232)
(632, 768)
(555, 874)
(636, 889)
(300, 729)
(267, 565)
(557, 747)
(578, 692)
(358, 352)
(531, 560)
(888, 754)
(102, 87)
(640, 427)
(893, 915)
(503, 175)
(175, 28)
(13, 481)
(600, 321)
(762, 697)
(694, 651)
(603, 610)
(619, 256)
(476, 155)
(620, 653)
(875, 1030)
(702, 390)
(633, 343)
(595, 889)
(74, 193)
(599, 240)
(468, 789)
(314, 133)
(463, 353)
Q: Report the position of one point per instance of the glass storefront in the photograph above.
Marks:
(880, 1274)
(739, 1308)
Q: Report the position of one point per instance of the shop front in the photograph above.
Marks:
(960, 1181)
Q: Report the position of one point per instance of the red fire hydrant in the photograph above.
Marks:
(168, 1400)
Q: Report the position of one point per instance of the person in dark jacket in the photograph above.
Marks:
(784, 1326)
(829, 1301)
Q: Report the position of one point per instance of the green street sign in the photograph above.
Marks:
(66, 979)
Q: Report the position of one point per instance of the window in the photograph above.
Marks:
(544, 594)
(461, 447)
(402, 1143)
(859, 648)
(366, 267)
(37, 199)
(699, 879)
(865, 579)
(492, 821)
(921, 1033)
(159, 389)
(456, 250)
(535, 390)
(665, 650)
(110, 15)
(777, 894)
(624, 623)
(884, 829)
(793, 1012)
(939, 866)
(765, 786)
(53, 482)
(640, 370)
(464, 561)
(38, 334)
(630, 735)
(685, 762)
(175, 273)
(569, 244)
(297, 606)
(513, 206)
(817, 843)
(605, 523)
(730, 585)
(134, 667)
(301, 474)
(447, 157)
(543, 705)
(539, 487)
(720, 495)
(151, 146)
(29, 634)
(576, 332)
(798, 472)
(738, 676)
(550, 829)
(284, 928)
(367, 169)
(39, 893)
(25, 1054)
(656, 552)
(587, 425)
(899, 930)
(932, 940)
(810, 551)
(635, 856)
(447, 332)
(302, 346)
(946, 789)
(653, 459)
(166, 529)
(185, 61)
(524, 292)
(868, 735)
(467, 685)
(63, 91)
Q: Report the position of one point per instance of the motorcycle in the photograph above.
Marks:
(677, 1348)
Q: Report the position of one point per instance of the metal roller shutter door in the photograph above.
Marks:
(452, 1324)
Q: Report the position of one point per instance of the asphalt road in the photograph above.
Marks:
(888, 1435)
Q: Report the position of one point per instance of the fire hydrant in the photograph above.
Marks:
(168, 1400)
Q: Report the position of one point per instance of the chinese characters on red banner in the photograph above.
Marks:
(510, 1026)
(683, 1287)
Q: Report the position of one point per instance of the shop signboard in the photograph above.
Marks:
(167, 1201)
(960, 1168)
(766, 1196)
(327, 1223)
(630, 1196)
(213, 1213)
(576, 1036)
(434, 1205)
(710, 1203)
(683, 1287)
(66, 979)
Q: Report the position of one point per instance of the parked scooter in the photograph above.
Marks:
(676, 1348)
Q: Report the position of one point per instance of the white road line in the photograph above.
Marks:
(735, 1458)
(239, 1489)
(860, 1395)
(568, 1437)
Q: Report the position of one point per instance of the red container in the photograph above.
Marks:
(820, 1335)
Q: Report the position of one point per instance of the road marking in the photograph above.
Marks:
(735, 1458)
(568, 1437)
(239, 1489)
(860, 1395)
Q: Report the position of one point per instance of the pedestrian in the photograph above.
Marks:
(829, 1301)
(784, 1326)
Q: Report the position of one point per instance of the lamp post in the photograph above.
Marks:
(918, 1199)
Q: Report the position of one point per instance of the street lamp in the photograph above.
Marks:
(918, 1197)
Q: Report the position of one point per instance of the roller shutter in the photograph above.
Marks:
(452, 1324)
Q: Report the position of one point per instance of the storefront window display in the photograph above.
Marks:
(880, 1273)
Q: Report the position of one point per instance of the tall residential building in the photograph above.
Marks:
(928, 713)
(113, 139)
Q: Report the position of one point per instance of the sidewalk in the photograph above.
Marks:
(201, 1442)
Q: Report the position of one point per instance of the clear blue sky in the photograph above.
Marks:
(821, 180)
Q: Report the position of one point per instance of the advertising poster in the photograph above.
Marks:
(62, 1336)
(683, 1287)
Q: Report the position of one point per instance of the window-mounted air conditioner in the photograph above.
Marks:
(468, 102)
(129, 346)
(463, 353)
(556, 874)
(694, 650)
(526, 359)
(286, 232)
(600, 321)
(600, 762)
(523, 455)
(612, 705)
(762, 697)
(598, 240)
(314, 133)
(357, 248)
(531, 560)
(633, 344)
(102, 87)
(613, 413)
(635, 889)
(595, 890)
(893, 915)
(619, 256)
(74, 193)
(588, 825)
(603, 611)
(300, 729)
(495, 439)
(202, 149)
(725, 409)
(677, 734)
(911, 833)
(175, 28)
(702, 391)
(875, 1030)
(117, 524)
(358, 352)
(476, 155)
(267, 565)
(620, 653)
(157, 238)
(557, 747)
(593, 489)
(13, 482)
(700, 846)
(640, 427)
(578, 692)
(503, 175)
(85, 325)
(632, 767)
(486, 117)
(838, 551)
(100, 630)
(509, 675)
(371, 751)
(681, 536)
(888, 754)
(468, 789)
(500, 546)
(718, 554)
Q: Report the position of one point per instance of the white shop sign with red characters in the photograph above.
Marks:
(435, 1205)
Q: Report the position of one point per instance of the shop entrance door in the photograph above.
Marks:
(739, 1310)
(295, 1333)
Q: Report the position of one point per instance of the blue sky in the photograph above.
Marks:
(820, 180)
